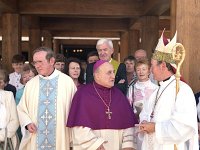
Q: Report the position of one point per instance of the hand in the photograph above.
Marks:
(32, 128)
(147, 127)
(101, 147)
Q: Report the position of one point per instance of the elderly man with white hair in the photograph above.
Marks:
(105, 50)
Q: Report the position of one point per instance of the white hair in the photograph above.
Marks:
(104, 41)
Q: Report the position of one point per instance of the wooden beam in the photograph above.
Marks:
(84, 24)
(187, 25)
(11, 33)
(101, 8)
(79, 42)
(8, 6)
(155, 7)
(30, 21)
(151, 8)
(85, 34)
(135, 25)
(164, 23)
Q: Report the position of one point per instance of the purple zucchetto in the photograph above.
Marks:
(98, 64)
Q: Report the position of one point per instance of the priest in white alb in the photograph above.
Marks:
(100, 116)
(45, 105)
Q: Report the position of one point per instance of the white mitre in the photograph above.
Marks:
(163, 50)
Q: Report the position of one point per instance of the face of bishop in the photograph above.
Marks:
(105, 75)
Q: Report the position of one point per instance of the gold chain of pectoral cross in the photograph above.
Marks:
(108, 112)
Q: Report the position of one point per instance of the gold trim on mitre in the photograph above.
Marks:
(164, 52)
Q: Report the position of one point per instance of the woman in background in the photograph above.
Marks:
(143, 89)
(28, 73)
(75, 71)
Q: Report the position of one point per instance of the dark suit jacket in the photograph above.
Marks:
(121, 74)
(11, 88)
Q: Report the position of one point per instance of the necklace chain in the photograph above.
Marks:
(108, 112)
(158, 97)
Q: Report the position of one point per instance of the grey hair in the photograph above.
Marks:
(50, 53)
(105, 41)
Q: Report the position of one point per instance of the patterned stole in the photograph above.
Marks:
(46, 132)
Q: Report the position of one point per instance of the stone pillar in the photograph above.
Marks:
(124, 45)
(187, 25)
(150, 34)
(11, 38)
(47, 41)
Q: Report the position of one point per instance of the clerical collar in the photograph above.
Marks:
(52, 75)
(167, 79)
(101, 87)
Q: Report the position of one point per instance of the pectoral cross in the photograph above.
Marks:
(109, 113)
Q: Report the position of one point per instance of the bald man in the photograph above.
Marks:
(100, 116)
(140, 54)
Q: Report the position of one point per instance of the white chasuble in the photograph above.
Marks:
(46, 104)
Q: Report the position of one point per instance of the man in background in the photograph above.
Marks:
(60, 62)
(105, 50)
(92, 57)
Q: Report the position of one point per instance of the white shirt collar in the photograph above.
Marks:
(53, 75)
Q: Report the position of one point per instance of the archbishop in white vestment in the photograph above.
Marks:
(46, 102)
(169, 118)
(175, 118)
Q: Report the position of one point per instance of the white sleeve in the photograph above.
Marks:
(170, 132)
(13, 123)
(129, 140)
(84, 138)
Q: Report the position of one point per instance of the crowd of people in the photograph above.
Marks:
(54, 103)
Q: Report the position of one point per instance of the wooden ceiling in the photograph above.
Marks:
(64, 17)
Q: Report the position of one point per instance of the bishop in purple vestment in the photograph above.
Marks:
(100, 115)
